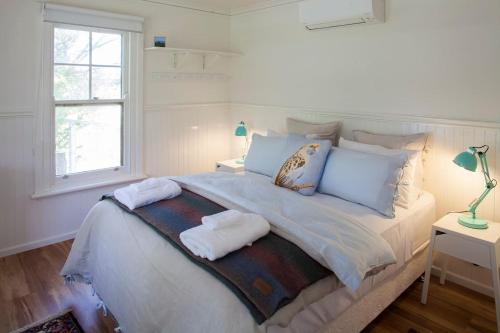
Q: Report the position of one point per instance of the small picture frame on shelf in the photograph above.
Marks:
(160, 41)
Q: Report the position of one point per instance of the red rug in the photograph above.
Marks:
(64, 322)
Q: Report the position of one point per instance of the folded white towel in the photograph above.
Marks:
(224, 219)
(134, 199)
(150, 183)
(214, 244)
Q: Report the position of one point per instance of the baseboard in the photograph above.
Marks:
(465, 282)
(36, 244)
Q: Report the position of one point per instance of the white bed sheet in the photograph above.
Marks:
(151, 287)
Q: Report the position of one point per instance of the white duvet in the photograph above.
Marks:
(340, 243)
(151, 287)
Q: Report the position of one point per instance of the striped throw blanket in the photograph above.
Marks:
(265, 276)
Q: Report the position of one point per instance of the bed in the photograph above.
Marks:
(151, 287)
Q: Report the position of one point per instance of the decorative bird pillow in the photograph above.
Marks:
(303, 164)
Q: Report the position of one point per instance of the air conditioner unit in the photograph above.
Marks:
(320, 14)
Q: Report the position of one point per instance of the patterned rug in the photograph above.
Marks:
(64, 322)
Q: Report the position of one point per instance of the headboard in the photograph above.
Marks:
(453, 187)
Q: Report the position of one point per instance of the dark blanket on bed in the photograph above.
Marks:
(265, 276)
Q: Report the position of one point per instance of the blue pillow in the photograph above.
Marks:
(264, 154)
(303, 163)
(369, 179)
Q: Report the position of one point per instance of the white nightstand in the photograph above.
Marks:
(481, 247)
(230, 166)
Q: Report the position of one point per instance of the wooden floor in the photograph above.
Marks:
(31, 289)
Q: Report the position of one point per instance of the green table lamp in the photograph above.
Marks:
(468, 161)
(241, 130)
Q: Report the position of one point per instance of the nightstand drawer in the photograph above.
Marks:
(465, 249)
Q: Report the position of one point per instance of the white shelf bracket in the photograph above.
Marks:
(180, 59)
(209, 60)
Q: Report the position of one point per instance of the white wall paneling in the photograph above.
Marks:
(179, 139)
(453, 187)
(27, 223)
(184, 139)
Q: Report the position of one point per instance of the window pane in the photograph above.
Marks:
(106, 49)
(106, 83)
(71, 46)
(88, 138)
(71, 82)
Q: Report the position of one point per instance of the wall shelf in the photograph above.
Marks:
(209, 57)
(177, 76)
(175, 50)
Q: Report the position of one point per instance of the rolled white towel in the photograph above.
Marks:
(215, 244)
(150, 183)
(134, 199)
(223, 219)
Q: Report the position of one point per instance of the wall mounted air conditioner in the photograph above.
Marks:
(320, 14)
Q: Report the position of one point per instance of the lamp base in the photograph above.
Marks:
(470, 222)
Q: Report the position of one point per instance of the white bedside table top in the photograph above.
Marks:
(449, 224)
(232, 163)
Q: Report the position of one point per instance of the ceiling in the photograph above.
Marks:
(222, 6)
(230, 4)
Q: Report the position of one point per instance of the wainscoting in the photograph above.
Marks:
(26, 223)
(186, 139)
(15, 175)
(453, 187)
(178, 140)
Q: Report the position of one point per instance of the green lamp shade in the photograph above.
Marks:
(466, 160)
(241, 130)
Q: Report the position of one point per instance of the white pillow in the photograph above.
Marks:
(411, 141)
(264, 155)
(408, 191)
(321, 131)
(271, 132)
(369, 179)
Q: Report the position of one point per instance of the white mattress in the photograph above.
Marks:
(151, 287)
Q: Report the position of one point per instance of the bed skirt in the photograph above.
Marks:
(366, 309)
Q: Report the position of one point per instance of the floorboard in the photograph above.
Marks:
(31, 289)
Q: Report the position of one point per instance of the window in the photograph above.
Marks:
(89, 102)
(89, 128)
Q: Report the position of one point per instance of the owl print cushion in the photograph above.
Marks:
(303, 163)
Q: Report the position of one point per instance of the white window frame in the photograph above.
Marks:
(46, 181)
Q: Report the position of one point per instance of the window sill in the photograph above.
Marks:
(54, 191)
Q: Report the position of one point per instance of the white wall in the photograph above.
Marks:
(432, 58)
(26, 223)
(437, 58)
